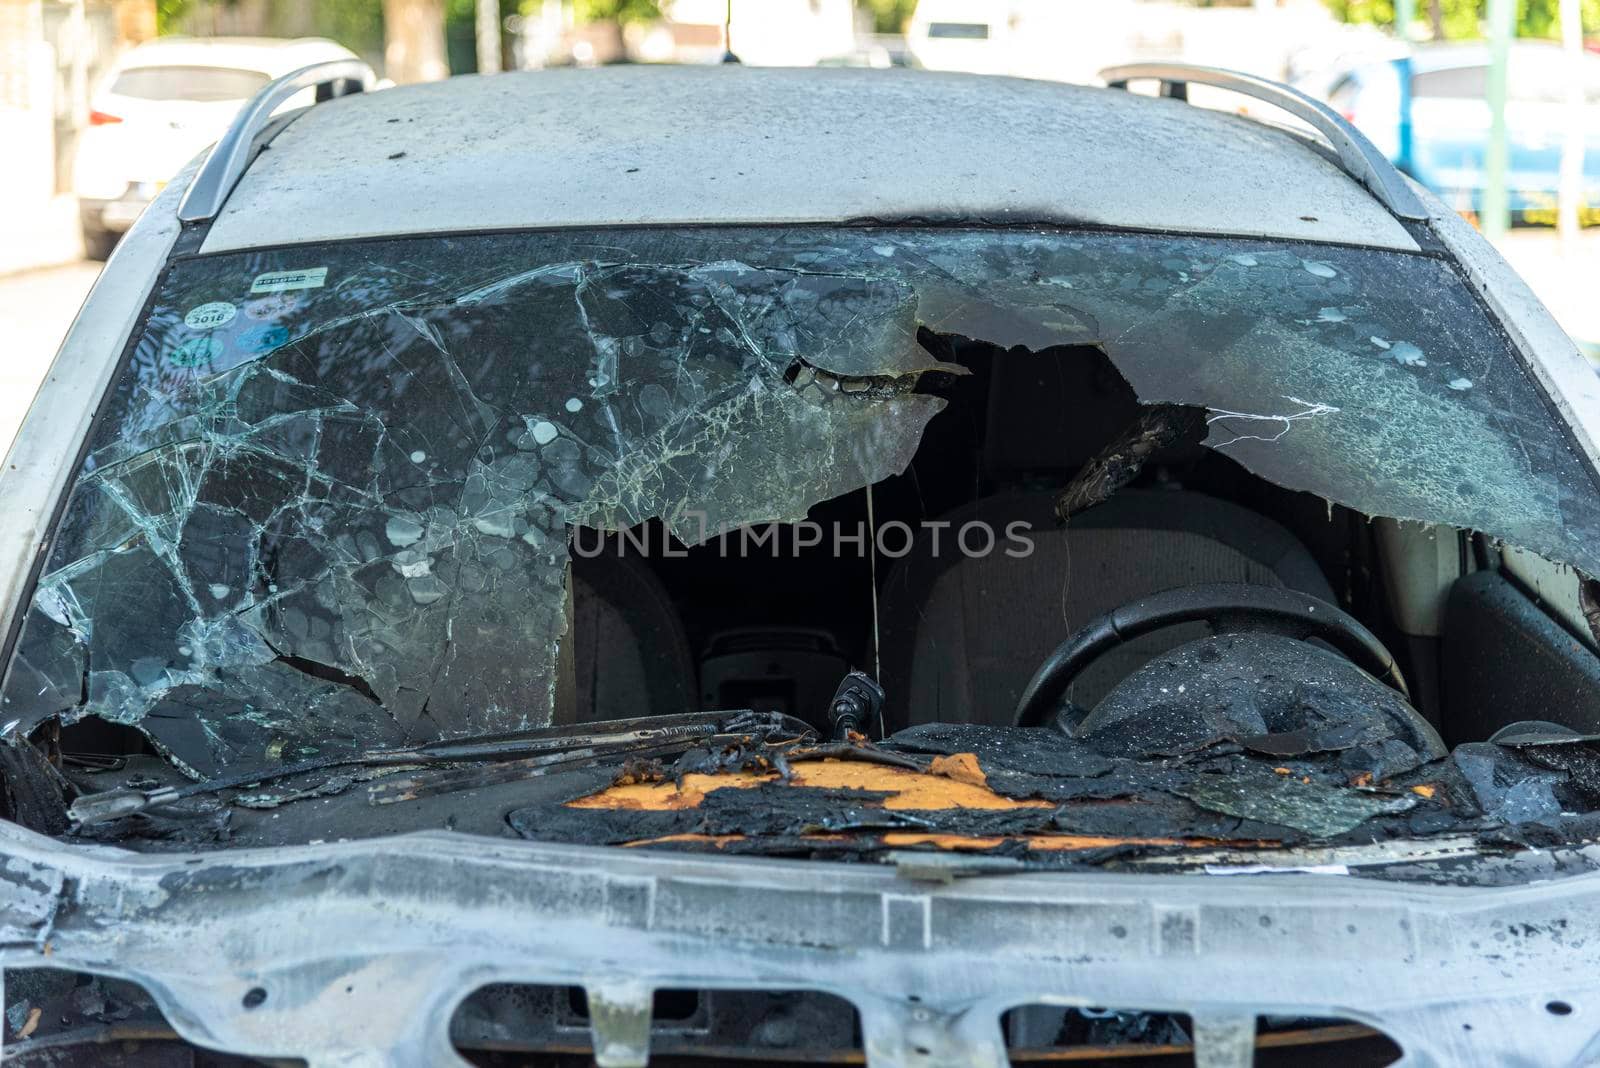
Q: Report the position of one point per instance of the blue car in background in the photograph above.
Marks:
(1428, 112)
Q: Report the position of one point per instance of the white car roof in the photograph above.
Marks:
(730, 144)
(270, 55)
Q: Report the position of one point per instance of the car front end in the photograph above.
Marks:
(948, 621)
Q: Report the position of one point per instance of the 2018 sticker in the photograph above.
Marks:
(277, 281)
(210, 316)
(195, 351)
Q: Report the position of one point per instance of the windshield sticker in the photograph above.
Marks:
(273, 305)
(210, 316)
(195, 351)
(278, 281)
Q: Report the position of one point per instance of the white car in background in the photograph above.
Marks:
(963, 35)
(1429, 113)
(161, 104)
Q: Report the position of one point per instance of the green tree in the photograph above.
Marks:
(890, 16)
(169, 14)
(356, 24)
(1463, 19)
(618, 11)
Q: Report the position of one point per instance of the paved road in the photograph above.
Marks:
(36, 308)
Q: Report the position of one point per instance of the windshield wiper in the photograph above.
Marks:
(584, 742)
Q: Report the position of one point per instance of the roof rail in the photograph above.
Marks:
(231, 155)
(1357, 156)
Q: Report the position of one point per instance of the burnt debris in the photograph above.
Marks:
(1051, 800)
(1158, 428)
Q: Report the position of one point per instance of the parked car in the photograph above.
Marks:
(1429, 113)
(965, 569)
(964, 35)
(162, 102)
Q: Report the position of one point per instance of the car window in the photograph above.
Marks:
(1452, 83)
(372, 454)
(1541, 79)
(1342, 93)
(202, 84)
(961, 31)
(1544, 78)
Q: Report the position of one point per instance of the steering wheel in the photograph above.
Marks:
(1227, 606)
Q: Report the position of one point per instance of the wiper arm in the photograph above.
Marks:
(556, 745)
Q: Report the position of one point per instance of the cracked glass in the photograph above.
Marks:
(327, 503)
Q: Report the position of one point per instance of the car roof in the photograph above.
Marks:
(269, 55)
(730, 144)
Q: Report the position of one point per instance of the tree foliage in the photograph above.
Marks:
(620, 11)
(1463, 19)
(170, 13)
(889, 16)
(356, 24)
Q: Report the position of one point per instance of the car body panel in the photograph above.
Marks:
(904, 145)
(364, 949)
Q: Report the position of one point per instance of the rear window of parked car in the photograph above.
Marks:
(1527, 82)
(965, 31)
(188, 83)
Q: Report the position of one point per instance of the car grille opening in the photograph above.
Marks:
(527, 1024)
(1132, 1038)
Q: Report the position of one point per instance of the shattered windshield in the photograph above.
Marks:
(329, 502)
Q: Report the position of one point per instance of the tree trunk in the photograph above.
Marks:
(487, 33)
(620, 35)
(413, 41)
(1436, 18)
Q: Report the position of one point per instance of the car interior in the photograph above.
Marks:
(955, 635)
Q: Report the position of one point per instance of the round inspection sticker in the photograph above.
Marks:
(210, 316)
(195, 351)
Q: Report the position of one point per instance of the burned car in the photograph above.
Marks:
(623, 566)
